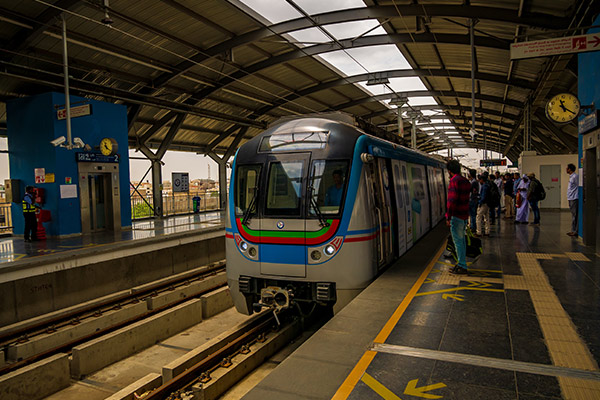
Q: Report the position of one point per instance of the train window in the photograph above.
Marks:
(294, 141)
(284, 188)
(328, 182)
(246, 186)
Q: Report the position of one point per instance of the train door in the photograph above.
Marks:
(436, 195)
(404, 180)
(385, 217)
(419, 200)
(400, 207)
(283, 226)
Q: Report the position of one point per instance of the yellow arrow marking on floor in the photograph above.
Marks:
(413, 390)
(457, 289)
(13, 257)
(429, 280)
(378, 388)
(479, 284)
(458, 297)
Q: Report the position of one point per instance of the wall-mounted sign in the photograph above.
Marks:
(68, 179)
(40, 175)
(588, 123)
(95, 157)
(551, 47)
(181, 182)
(49, 178)
(492, 162)
(78, 111)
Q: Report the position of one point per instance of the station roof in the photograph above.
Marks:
(206, 75)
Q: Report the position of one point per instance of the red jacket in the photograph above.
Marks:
(459, 191)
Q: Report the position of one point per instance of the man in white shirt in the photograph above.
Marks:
(573, 197)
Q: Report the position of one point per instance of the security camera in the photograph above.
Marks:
(473, 133)
(58, 141)
(78, 143)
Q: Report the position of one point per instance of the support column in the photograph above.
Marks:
(222, 184)
(527, 127)
(157, 188)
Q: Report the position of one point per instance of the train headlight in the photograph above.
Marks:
(315, 255)
(252, 251)
(244, 246)
(329, 250)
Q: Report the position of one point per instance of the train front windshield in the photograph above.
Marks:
(323, 185)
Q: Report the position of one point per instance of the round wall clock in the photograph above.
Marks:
(563, 107)
(108, 146)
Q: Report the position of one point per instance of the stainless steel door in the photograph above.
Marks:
(550, 176)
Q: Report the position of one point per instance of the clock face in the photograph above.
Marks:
(563, 107)
(108, 146)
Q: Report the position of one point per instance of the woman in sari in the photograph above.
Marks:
(523, 207)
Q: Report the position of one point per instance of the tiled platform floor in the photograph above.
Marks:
(524, 325)
(14, 248)
(532, 297)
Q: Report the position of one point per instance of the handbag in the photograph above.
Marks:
(519, 201)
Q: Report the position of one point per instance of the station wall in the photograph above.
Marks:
(32, 123)
(588, 87)
(529, 164)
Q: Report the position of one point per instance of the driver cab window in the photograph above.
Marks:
(246, 187)
(328, 179)
(284, 188)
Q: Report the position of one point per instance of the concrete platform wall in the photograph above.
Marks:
(67, 283)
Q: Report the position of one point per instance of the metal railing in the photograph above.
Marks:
(6, 225)
(175, 204)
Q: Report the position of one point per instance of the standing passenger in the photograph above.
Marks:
(29, 207)
(522, 203)
(483, 211)
(573, 197)
(534, 197)
(473, 199)
(508, 196)
(457, 214)
(498, 181)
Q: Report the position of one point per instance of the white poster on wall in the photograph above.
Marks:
(181, 182)
(68, 191)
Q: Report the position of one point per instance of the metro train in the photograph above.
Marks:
(317, 208)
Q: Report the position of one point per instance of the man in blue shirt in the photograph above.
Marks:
(334, 194)
(573, 197)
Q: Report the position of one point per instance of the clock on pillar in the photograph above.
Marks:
(563, 108)
(108, 146)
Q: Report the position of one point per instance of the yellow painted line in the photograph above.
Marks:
(456, 289)
(485, 270)
(350, 382)
(389, 326)
(378, 388)
(359, 369)
(452, 265)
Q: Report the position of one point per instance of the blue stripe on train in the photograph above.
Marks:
(282, 253)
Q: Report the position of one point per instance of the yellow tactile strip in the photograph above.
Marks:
(565, 346)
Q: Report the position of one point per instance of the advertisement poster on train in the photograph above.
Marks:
(419, 203)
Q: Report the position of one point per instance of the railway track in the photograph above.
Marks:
(231, 359)
(45, 337)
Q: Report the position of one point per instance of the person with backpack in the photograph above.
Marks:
(483, 210)
(535, 194)
(522, 203)
(457, 213)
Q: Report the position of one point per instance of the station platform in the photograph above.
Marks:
(46, 278)
(15, 248)
(524, 324)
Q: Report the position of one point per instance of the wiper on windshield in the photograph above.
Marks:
(248, 212)
(315, 206)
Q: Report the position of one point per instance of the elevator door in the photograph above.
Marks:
(100, 202)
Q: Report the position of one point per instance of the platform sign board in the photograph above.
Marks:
(552, 47)
(181, 182)
(78, 111)
(588, 122)
(492, 162)
(40, 175)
